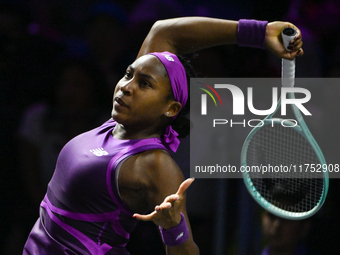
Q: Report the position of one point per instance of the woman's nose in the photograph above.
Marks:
(127, 87)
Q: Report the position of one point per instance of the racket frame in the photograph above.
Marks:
(305, 132)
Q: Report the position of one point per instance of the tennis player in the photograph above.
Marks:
(108, 178)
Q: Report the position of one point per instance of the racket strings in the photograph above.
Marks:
(287, 156)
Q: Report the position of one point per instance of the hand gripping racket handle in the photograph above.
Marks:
(288, 34)
(288, 66)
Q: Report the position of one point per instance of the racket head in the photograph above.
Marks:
(290, 195)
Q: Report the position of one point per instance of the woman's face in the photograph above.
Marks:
(141, 96)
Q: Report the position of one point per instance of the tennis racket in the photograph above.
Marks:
(297, 184)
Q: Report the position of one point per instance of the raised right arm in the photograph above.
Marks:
(189, 34)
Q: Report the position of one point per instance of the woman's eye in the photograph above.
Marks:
(145, 84)
(127, 75)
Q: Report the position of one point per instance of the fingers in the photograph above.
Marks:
(167, 203)
(147, 217)
(298, 53)
(184, 186)
(295, 45)
(293, 54)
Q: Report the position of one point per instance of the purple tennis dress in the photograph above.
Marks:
(82, 212)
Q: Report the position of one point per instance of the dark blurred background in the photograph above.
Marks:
(59, 63)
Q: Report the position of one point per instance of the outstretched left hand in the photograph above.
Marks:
(167, 214)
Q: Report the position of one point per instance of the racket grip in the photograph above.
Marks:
(288, 66)
(288, 73)
(287, 35)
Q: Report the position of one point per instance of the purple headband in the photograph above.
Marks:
(178, 81)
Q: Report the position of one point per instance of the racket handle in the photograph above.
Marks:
(288, 66)
(288, 34)
(288, 73)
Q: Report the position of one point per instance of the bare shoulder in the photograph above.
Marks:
(158, 168)
(158, 163)
(149, 177)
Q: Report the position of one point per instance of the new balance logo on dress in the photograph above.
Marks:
(179, 236)
(99, 152)
(168, 57)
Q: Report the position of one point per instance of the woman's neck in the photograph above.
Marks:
(124, 133)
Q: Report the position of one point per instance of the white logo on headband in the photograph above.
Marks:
(168, 57)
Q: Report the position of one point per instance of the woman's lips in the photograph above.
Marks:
(120, 102)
